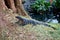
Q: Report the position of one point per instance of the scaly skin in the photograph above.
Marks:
(26, 21)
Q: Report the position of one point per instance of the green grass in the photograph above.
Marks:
(46, 33)
(29, 32)
(56, 33)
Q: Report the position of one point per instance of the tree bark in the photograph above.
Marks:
(12, 5)
(2, 5)
(20, 8)
(15, 5)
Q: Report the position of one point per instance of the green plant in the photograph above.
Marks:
(40, 5)
(57, 3)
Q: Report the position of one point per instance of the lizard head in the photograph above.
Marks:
(20, 20)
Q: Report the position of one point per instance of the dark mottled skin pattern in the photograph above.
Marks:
(32, 21)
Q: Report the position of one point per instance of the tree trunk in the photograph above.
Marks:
(15, 5)
(2, 5)
(20, 8)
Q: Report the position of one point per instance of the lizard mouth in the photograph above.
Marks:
(20, 20)
(18, 17)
